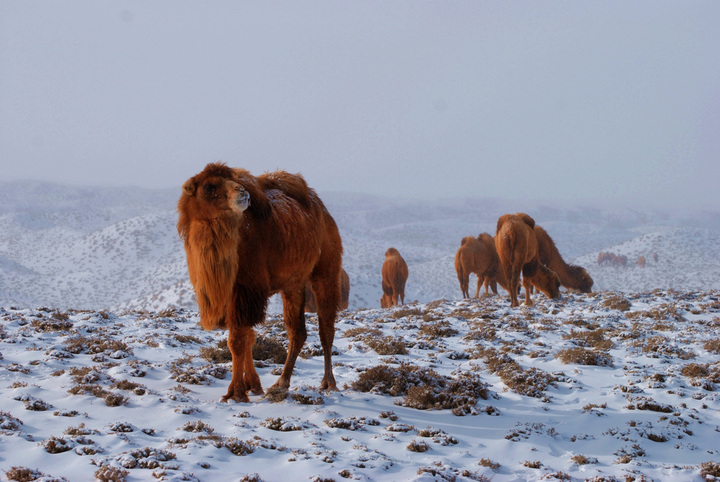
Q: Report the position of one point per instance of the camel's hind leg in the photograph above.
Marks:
(464, 284)
(479, 285)
(401, 292)
(327, 294)
(513, 278)
(294, 317)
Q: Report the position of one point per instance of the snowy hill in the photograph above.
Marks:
(102, 248)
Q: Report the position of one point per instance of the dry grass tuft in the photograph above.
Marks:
(217, 354)
(269, 349)
(406, 312)
(583, 356)
(531, 382)
(95, 345)
(108, 473)
(24, 474)
(418, 446)
(713, 346)
(616, 302)
(710, 470)
(596, 338)
(423, 388)
(437, 329)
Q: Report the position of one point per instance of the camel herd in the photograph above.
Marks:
(611, 259)
(519, 249)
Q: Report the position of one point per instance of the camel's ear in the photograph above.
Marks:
(189, 187)
(526, 219)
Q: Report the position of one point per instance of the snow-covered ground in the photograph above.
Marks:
(606, 386)
(105, 373)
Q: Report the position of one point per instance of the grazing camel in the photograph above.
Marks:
(517, 248)
(571, 276)
(478, 256)
(641, 261)
(394, 277)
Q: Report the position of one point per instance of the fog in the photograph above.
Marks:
(570, 101)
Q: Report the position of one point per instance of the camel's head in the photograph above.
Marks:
(548, 282)
(385, 301)
(585, 282)
(215, 191)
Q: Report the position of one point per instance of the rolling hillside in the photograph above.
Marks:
(100, 248)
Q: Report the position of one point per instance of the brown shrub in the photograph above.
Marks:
(423, 388)
(108, 473)
(266, 348)
(583, 356)
(616, 302)
(713, 346)
(596, 338)
(710, 470)
(218, 354)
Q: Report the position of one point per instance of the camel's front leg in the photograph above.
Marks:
(240, 342)
(527, 284)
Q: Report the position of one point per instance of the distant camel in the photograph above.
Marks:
(602, 256)
(605, 258)
(655, 257)
(478, 256)
(571, 276)
(621, 260)
(394, 277)
(517, 247)
(311, 304)
(641, 261)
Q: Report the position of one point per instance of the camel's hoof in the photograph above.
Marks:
(329, 387)
(235, 399)
(257, 391)
(276, 393)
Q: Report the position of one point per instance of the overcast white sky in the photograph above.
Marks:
(578, 100)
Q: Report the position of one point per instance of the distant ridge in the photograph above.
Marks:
(117, 248)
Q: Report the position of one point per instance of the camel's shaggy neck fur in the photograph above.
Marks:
(212, 257)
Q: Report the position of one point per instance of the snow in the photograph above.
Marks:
(651, 411)
(115, 367)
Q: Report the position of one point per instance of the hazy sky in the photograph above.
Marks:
(614, 100)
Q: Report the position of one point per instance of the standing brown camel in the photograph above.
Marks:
(571, 276)
(517, 248)
(394, 277)
(641, 261)
(478, 256)
(311, 304)
(249, 237)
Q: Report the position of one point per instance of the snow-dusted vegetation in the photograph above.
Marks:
(607, 386)
(105, 373)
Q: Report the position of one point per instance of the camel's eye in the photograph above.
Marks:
(210, 190)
